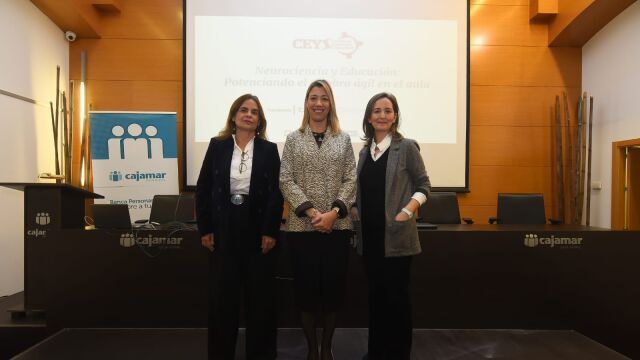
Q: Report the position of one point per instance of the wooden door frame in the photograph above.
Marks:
(618, 178)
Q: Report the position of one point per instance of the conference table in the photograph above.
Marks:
(467, 277)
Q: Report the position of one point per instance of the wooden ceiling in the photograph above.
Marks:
(579, 20)
(80, 16)
(571, 22)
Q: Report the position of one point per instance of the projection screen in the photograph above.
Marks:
(415, 49)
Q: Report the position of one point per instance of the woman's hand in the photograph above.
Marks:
(355, 214)
(411, 206)
(402, 216)
(208, 241)
(267, 243)
(324, 222)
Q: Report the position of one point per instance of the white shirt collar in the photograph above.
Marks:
(248, 148)
(383, 146)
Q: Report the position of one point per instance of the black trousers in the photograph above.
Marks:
(390, 326)
(242, 268)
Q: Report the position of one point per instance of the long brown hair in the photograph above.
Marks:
(230, 125)
(369, 132)
(332, 116)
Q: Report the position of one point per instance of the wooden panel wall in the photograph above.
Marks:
(515, 77)
(137, 63)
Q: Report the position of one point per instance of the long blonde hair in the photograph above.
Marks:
(230, 125)
(332, 116)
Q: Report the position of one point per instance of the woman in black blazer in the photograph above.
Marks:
(239, 209)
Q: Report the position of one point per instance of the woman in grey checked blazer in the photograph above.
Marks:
(392, 184)
(318, 180)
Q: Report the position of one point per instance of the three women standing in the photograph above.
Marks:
(239, 209)
(318, 180)
(392, 184)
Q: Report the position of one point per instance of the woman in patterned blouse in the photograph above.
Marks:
(318, 179)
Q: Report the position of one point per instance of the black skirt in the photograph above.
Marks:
(319, 268)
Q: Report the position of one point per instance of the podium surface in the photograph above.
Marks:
(47, 206)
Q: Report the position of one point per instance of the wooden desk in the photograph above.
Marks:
(468, 276)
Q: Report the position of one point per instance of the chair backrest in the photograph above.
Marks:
(167, 208)
(441, 208)
(521, 209)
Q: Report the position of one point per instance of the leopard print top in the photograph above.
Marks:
(319, 175)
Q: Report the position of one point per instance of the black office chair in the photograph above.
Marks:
(442, 208)
(169, 208)
(521, 209)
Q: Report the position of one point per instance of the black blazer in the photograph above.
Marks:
(213, 194)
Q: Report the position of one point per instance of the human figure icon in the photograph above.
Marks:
(115, 175)
(127, 240)
(114, 145)
(43, 218)
(135, 147)
(155, 144)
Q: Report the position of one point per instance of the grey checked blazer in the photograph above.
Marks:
(405, 175)
(319, 176)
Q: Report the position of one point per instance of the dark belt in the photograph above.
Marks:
(239, 199)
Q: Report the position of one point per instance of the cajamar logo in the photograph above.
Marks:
(127, 240)
(115, 175)
(533, 240)
(43, 218)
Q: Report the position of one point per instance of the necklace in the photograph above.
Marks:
(319, 137)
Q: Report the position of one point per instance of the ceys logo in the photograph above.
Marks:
(346, 44)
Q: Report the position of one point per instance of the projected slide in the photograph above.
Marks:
(416, 49)
(276, 58)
